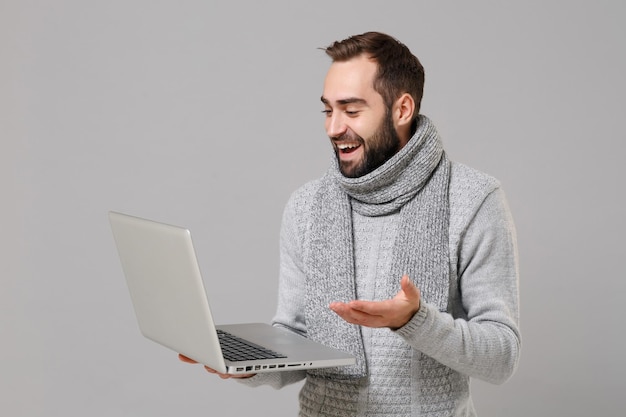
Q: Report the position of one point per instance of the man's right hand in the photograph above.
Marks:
(213, 371)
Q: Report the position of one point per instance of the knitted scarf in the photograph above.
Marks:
(415, 182)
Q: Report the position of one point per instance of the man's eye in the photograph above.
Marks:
(327, 112)
(352, 112)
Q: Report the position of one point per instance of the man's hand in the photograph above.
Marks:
(213, 371)
(393, 313)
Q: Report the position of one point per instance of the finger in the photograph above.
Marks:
(363, 312)
(185, 358)
(213, 371)
(371, 308)
(347, 311)
(355, 316)
(227, 376)
(409, 288)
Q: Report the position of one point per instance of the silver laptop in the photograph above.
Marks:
(172, 307)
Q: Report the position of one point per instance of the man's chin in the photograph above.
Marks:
(350, 169)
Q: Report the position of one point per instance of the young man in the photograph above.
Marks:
(397, 255)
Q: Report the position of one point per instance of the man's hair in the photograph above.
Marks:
(399, 71)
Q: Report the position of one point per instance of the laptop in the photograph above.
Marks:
(172, 307)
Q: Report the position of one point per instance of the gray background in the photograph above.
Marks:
(207, 114)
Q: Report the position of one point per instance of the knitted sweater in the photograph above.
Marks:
(477, 336)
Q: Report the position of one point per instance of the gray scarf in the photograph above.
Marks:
(415, 182)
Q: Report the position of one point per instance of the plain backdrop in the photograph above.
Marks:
(207, 114)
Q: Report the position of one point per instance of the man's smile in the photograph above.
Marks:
(348, 147)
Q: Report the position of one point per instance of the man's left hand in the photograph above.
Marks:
(393, 313)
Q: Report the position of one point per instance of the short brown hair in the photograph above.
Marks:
(399, 71)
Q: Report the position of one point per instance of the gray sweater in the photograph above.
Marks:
(476, 337)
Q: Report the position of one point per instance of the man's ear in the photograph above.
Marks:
(404, 110)
(403, 115)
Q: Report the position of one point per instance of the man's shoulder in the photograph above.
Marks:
(469, 188)
(306, 191)
(300, 200)
(467, 180)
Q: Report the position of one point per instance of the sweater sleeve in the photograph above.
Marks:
(484, 340)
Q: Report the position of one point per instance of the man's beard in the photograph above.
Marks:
(377, 150)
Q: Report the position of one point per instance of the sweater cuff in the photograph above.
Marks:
(414, 323)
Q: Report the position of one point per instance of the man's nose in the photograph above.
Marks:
(335, 125)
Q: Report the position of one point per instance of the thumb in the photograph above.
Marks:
(410, 290)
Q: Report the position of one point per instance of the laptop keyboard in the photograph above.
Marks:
(237, 349)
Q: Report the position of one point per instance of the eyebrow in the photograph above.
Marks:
(344, 101)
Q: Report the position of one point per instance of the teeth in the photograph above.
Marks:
(343, 146)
